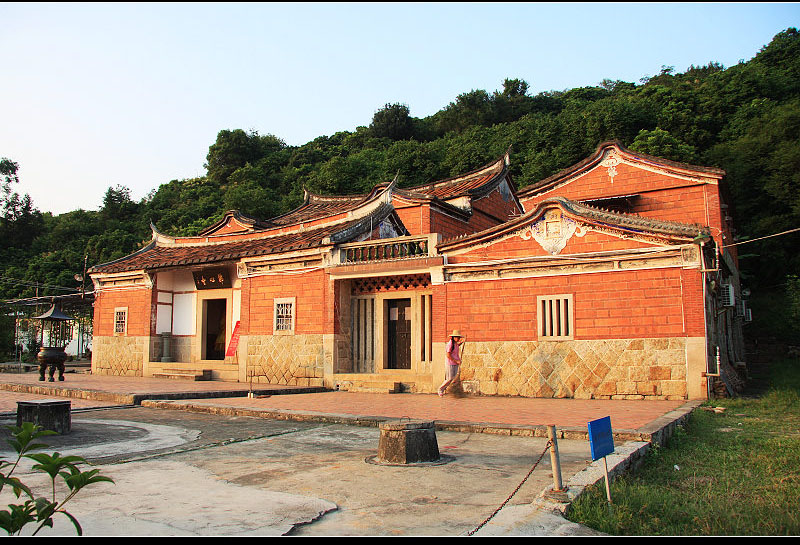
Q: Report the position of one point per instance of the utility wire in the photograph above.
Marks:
(762, 238)
(30, 284)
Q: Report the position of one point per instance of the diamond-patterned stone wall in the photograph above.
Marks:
(294, 360)
(599, 369)
(119, 356)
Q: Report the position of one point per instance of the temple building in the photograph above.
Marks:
(613, 279)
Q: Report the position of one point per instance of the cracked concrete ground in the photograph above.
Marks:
(194, 474)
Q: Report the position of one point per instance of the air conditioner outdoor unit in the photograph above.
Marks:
(741, 308)
(748, 315)
(727, 296)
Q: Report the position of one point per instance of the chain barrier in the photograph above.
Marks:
(482, 524)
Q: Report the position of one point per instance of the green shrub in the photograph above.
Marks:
(40, 510)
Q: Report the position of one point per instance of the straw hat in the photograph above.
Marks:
(456, 333)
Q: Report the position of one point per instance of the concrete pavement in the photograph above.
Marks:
(298, 463)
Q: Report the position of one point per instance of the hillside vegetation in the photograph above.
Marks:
(744, 119)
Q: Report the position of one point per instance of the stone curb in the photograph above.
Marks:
(657, 431)
(547, 514)
(138, 399)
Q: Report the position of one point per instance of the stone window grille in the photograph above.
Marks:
(555, 317)
(120, 321)
(284, 316)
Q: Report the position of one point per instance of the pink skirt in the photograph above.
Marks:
(452, 371)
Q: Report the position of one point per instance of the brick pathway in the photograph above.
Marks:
(628, 415)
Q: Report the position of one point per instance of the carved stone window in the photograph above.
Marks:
(120, 321)
(284, 316)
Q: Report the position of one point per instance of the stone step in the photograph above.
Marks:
(184, 374)
(379, 387)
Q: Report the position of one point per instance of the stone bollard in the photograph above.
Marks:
(51, 414)
(407, 442)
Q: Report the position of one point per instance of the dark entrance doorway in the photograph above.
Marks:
(399, 334)
(214, 327)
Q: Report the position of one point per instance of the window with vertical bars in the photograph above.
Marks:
(555, 317)
(120, 321)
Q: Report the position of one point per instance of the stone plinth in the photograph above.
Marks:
(51, 414)
(407, 442)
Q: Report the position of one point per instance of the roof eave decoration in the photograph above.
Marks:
(96, 269)
(568, 218)
(166, 252)
(247, 223)
(609, 155)
(360, 205)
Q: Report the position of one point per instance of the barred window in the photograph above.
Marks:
(120, 321)
(284, 316)
(555, 317)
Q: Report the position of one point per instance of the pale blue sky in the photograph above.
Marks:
(95, 95)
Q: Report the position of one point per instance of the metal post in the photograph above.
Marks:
(554, 460)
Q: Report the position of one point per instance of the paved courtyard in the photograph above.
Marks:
(205, 459)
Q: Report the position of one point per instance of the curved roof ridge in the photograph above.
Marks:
(249, 221)
(156, 257)
(598, 156)
(491, 174)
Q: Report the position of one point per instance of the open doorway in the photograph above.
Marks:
(214, 322)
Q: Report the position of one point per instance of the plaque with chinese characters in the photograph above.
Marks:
(211, 279)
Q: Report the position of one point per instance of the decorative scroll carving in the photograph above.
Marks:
(552, 231)
(610, 161)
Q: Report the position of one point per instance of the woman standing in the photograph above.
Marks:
(452, 360)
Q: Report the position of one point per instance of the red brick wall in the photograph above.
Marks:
(615, 305)
(140, 310)
(492, 207)
(416, 218)
(311, 293)
(488, 211)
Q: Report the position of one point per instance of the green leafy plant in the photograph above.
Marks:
(40, 510)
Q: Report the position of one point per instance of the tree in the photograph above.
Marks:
(20, 222)
(235, 149)
(393, 121)
(469, 109)
(660, 143)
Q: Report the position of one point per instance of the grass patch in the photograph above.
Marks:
(734, 473)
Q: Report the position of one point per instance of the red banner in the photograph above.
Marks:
(234, 342)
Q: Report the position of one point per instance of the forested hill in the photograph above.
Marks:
(744, 119)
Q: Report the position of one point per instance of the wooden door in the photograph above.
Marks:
(399, 334)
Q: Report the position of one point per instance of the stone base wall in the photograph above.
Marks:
(119, 356)
(593, 369)
(294, 360)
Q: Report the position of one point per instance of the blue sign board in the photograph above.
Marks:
(601, 440)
